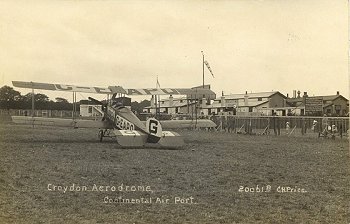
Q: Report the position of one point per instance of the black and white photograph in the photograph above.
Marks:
(200, 111)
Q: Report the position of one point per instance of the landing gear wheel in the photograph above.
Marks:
(100, 135)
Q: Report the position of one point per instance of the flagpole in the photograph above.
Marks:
(203, 67)
(158, 99)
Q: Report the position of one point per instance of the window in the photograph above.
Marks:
(259, 98)
(250, 109)
(90, 109)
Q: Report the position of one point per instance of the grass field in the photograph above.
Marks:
(210, 169)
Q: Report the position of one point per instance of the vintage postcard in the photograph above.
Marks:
(174, 111)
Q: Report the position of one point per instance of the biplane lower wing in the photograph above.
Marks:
(61, 122)
(79, 123)
(178, 124)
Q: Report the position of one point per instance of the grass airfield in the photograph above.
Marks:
(211, 169)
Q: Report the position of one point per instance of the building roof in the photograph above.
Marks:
(254, 104)
(327, 105)
(176, 103)
(213, 105)
(87, 102)
(325, 98)
(252, 95)
(332, 97)
(294, 100)
(250, 104)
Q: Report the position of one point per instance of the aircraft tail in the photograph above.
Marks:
(154, 130)
(163, 138)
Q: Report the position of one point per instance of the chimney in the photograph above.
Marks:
(204, 102)
(152, 102)
(171, 100)
(305, 94)
(246, 99)
(337, 92)
(299, 93)
(287, 95)
(223, 103)
(294, 94)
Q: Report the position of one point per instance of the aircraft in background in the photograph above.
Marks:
(119, 121)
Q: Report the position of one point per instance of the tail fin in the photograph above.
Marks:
(154, 130)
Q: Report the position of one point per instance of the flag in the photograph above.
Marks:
(207, 64)
(157, 85)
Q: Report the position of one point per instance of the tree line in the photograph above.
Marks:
(12, 99)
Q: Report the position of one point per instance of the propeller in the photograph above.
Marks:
(97, 101)
(104, 106)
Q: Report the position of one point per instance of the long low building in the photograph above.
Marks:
(248, 103)
(255, 104)
(262, 103)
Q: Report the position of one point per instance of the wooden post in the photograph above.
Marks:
(203, 67)
(33, 105)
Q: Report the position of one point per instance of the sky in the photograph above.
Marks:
(254, 46)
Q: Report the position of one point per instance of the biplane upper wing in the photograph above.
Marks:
(191, 92)
(70, 88)
(61, 122)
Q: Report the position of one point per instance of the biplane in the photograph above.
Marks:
(118, 121)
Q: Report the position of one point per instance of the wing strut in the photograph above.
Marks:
(33, 104)
(74, 107)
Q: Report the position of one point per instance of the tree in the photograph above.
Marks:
(27, 101)
(41, 98)
(8, 97)
(136, 106)
(145, 103)
(62, 104)
(61, 100)
(41, 101)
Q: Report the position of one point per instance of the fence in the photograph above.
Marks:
(39, 113)
(278, 125)
(233, 123)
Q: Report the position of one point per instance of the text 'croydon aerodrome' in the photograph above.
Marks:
(99, 188)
